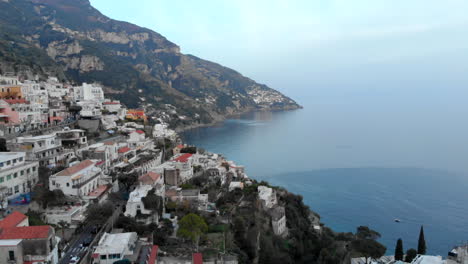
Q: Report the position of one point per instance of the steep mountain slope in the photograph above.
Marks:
(71, 39)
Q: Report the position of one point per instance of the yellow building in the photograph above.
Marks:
(10, 92)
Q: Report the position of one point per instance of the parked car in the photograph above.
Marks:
(74, 259)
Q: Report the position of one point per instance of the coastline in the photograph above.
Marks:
(235, 116)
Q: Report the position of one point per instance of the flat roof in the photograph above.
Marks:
(9, 242)
(115, 243)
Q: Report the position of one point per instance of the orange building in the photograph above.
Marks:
(10, 92)
(136, 114)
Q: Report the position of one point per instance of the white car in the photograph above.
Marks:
(74, 259)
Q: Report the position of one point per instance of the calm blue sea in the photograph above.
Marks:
(361, 164)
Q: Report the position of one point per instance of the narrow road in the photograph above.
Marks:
(75, 248)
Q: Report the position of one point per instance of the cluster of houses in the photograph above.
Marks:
(40, 125)
(30, 105)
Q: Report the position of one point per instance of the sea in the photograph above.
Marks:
(361, 163)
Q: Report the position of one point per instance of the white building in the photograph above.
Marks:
(16, 174)
(38, 97)
(162, 131)
(115, 247)
(112, 106)
(137, 140)
(46, 149)
(79, 180)
(267, 196)
(73, 215)
(9, 80)
(88, 92)
(183, 162)
(90, 109)
(135, 207)
(55, 88)
(72, 138)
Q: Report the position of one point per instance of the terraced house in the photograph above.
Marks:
(16, 174)
(79, 180)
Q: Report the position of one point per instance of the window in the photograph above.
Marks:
(14, 161)
(103, 256)
(68, 184)
(8, 177)
(34, 168)
(22, 172)
(21, 159)
(28, 170)
(1, 164)
(11, 255)
(17, 189)
(2, 179)
(15, 175)
(8, 162)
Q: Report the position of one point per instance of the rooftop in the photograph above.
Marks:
(115, 243)
(76, 168)
(140, 132)
(98, 191)
(183, 158)
(10, 242)
(25, 232)
(12, 220)
(149, 178)
(124, 150)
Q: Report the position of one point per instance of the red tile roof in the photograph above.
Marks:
(16, 101)
(149, 178)
(197, 258)
(100, 163)
(180, 146)
(140, 132)
(76, 168)
(25, 232)
(99, 191)
(154, 255)
(109, 143)
(111, 103)
(183, 158)
(124, 149)
(12, 220)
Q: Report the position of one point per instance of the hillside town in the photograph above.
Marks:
(83, 179)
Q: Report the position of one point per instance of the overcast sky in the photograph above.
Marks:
(299, 46)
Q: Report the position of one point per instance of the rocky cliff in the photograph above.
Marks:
(73, 40)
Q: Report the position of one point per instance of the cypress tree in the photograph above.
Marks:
(421, 242)
(399, 250)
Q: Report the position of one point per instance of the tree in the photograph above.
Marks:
(410, 255)
(369, 248)
(97, 214)
(364, 232)
(62, 225)
(192, 226)
(366, 243)
(421, 242)
(399, 250)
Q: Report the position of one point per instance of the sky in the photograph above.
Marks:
(307, 48)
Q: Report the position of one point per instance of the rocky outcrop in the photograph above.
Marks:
(141, 67)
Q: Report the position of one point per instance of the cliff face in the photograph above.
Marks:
(71, 39)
